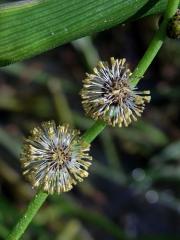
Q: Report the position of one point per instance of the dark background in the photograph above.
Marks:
(133, 188)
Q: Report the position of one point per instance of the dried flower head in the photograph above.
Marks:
(54, 158)
(108, 95)
(173, 28)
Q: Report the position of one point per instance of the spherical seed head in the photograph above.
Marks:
(54, 158)
(173, 28)
(108, 95)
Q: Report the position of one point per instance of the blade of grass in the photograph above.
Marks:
(29, 28)
(73, 209)
(60, 102)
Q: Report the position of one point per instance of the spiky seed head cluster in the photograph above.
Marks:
(173, 28)
(108, 95)
(55, 158)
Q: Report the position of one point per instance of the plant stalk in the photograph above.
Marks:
(155, 43)
(93, 131)
(31, 211)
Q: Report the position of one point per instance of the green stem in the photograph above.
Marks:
(31, 211)
(94, 131)
(155, 44)
(98, 126)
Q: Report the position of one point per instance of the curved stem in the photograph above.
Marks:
(98, 126)
(31, 211)
(155, 44)
(94, 131)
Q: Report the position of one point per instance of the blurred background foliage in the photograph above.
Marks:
(133, 188)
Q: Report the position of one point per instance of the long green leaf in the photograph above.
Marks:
(28, 28)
